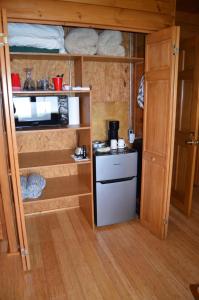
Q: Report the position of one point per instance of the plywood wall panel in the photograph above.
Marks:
(42, 69)
(110, 95)
(109, 81)
(109, 111)
(143, 15)
(36, 141)
(52, 171)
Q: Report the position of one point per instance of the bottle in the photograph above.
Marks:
(84, 153)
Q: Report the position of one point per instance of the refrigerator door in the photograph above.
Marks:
(116, 166)
(115, 202)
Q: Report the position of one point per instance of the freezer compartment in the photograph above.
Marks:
(115, 202)
(116, 166)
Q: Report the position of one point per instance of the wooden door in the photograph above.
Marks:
(11, 139)
(161, 64)
(196, 178)
(186, 133)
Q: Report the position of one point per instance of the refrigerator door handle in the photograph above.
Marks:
(116, 180)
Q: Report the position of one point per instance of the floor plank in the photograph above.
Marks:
(70, 261)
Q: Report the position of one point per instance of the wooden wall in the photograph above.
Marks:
(187, 17)
(142, 15)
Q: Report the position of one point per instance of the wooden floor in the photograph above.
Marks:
(69, 261)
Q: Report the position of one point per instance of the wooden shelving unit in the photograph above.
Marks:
(47, 158)
(47, 150)
(52, 128)
(58, 56)
(49, 93)
(66, 186)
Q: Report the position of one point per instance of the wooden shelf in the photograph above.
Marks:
(47, 158)
(52, 128)
(58, 56)
(49, 93)
(66, 186)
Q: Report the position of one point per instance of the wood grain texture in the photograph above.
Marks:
(186, 125)
(46, 140)
(58, 187)
(196, 179)
(7, 217)
(2, 224)
(187, 16)
(42, 69)
(46, 158)
(109, 111)
(159, 128)
(51, 171)
(109, 81)
(137, 111)
(39, 206)
(70, 261)
(143, 16)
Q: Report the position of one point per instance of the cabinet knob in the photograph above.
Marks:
(152, 158)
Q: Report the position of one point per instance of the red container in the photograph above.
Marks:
(16, 84)
(58, 83)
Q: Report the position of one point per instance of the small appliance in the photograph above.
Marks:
(34, 111)
(113, 127)
(115, 180)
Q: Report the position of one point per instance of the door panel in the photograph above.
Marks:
(186, 125)
(12, 147)
(161, 63)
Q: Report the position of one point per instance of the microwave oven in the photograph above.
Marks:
(35, 111)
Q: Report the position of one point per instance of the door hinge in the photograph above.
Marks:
(24, 252)
(175, 50)
(3, 39)
(165, 221)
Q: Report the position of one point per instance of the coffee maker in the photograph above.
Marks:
(113, 127)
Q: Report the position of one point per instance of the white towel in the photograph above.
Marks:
(35, 30)
(140, 97)
(38, 36)
(81, 41)
(109, 43)
(36, 42)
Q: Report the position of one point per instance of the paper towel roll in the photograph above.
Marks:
(73, 110)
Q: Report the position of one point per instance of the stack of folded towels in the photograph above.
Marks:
(109, 43)
(32, 186)
(36, 36)
(46, 38)
(86, 41)
(81, 41)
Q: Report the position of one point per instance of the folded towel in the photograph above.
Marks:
(81, 41)
(34, 35)
(23, 181)
(35, 30)
(37, 42)
(32, 186)
(37, 180)
(109, 43)
(111, 50)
